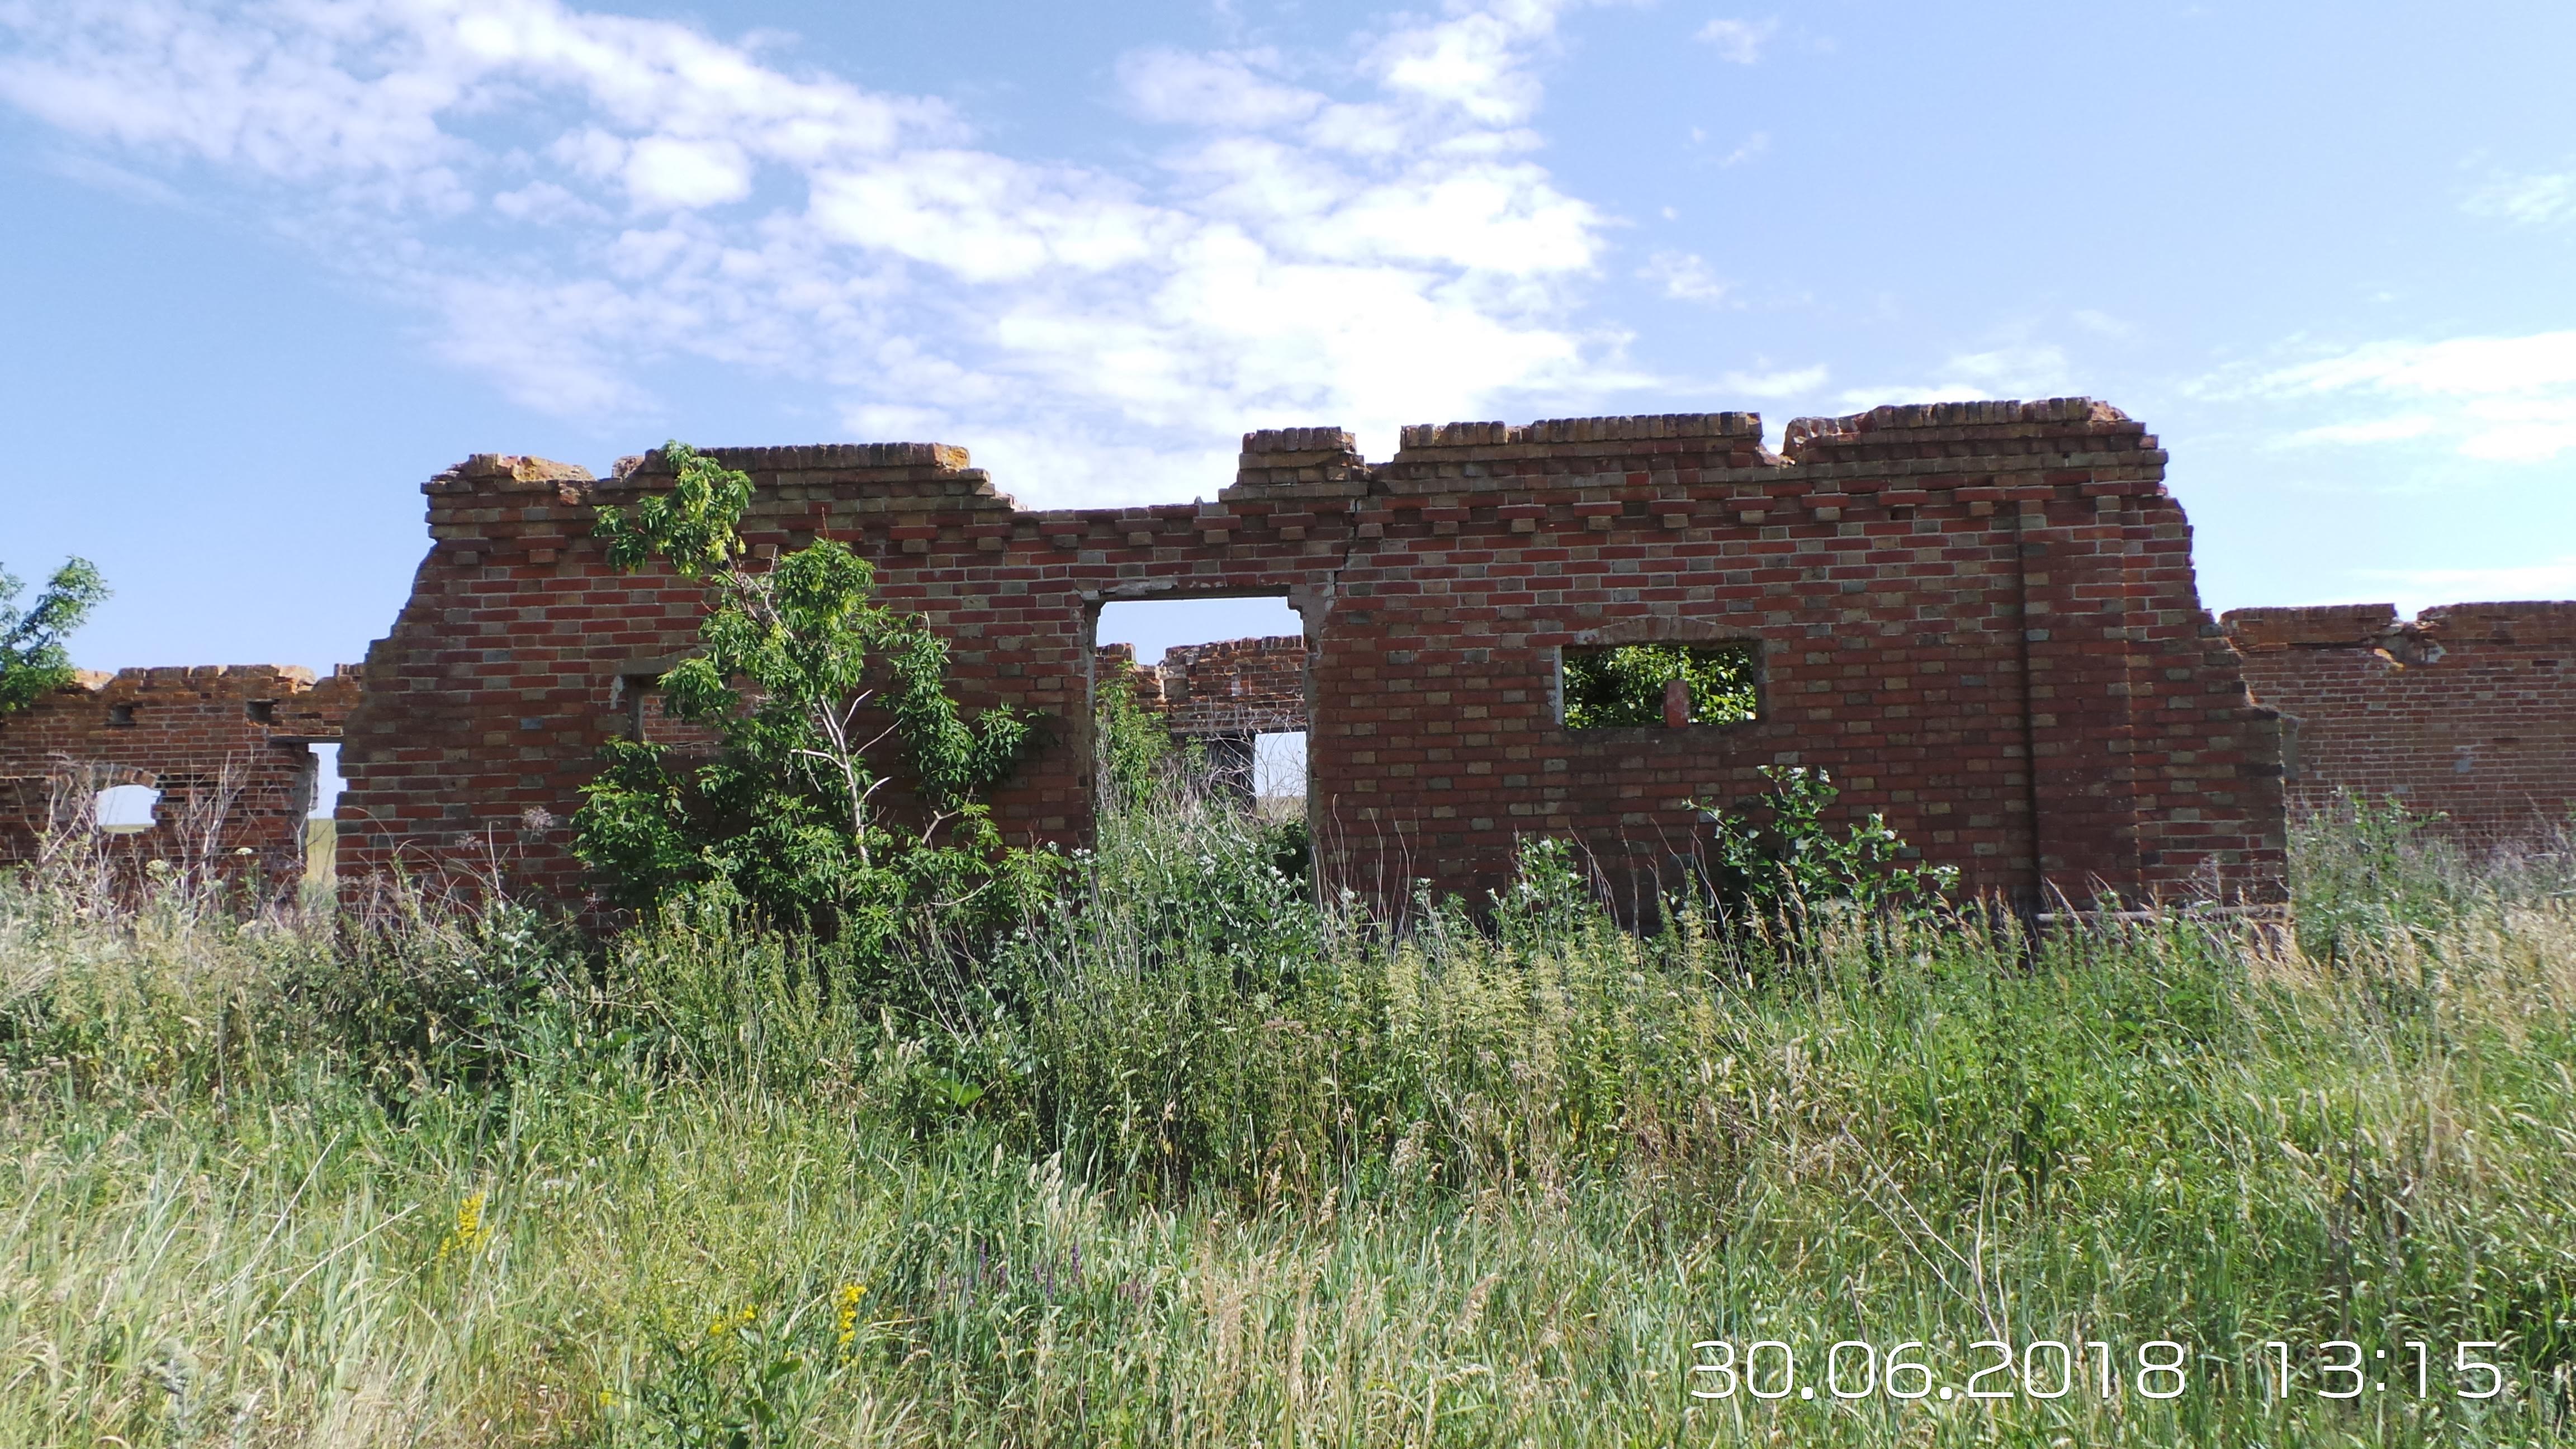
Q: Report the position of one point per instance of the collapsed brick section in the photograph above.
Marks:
(2466, 709)
(1980, 617)
(1235, 687)
(1115, 664)
(227, 747)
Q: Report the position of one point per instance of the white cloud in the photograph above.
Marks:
(2101, 323)
(1214, 89)
(1364, 253)
(1684, 277)
(2420, 588)
(1475, 61)
(547, 202)
(1740, 41)
(2026, 370)
(2496, 399)
(2377, 430)
(667, 173)
(1754, 145)
(2538, 198)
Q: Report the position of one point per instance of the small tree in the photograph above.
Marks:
(33, 661)
(810, 683)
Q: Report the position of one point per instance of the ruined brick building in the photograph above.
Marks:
(225, 752)
(1222, 696)
(1980, 617)
(2467, 710)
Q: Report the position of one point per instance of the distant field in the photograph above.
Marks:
(1200, 1163)
(321, 850)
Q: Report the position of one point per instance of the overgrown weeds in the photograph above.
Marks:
(1200, 1159)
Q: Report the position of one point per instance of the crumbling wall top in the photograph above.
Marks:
(2526, 621)
(2309, 626)
(1304, 460)
(507, 473)
(216, 681)
(939, 469)
(1913, 425)
(1587, 432)
(2363, 626)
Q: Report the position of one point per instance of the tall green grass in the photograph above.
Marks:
(1198, 1160)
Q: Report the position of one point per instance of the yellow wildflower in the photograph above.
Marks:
(470, 1233)
(849, 1300)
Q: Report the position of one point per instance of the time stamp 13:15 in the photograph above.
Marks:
(1773, 1369)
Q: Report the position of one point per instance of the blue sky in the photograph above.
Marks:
(270, 265)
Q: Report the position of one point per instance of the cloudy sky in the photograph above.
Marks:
(268, 265)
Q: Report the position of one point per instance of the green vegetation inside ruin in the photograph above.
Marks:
(819, 696)
(1622, 686)
(1197, 1160)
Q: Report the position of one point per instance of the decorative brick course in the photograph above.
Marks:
(1981, 617)
(2466, 709)
(227, 741)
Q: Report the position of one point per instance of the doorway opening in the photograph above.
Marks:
(1203, 698)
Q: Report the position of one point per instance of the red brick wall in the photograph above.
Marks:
(1235, 687)
(1111, 663)
(1981, 617)
(229, 777)
(2467, 709)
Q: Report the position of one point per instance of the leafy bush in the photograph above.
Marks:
(1623, 686)
(1780, 855)
(1134, 749)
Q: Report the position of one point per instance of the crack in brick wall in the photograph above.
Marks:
(2466, 709)
(1981, 617)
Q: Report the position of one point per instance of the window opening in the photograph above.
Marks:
(327, 783)
(125, 809)
(321, 823)
(1642, 686)
(649, 718)
(260, 711)
(120, 716)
